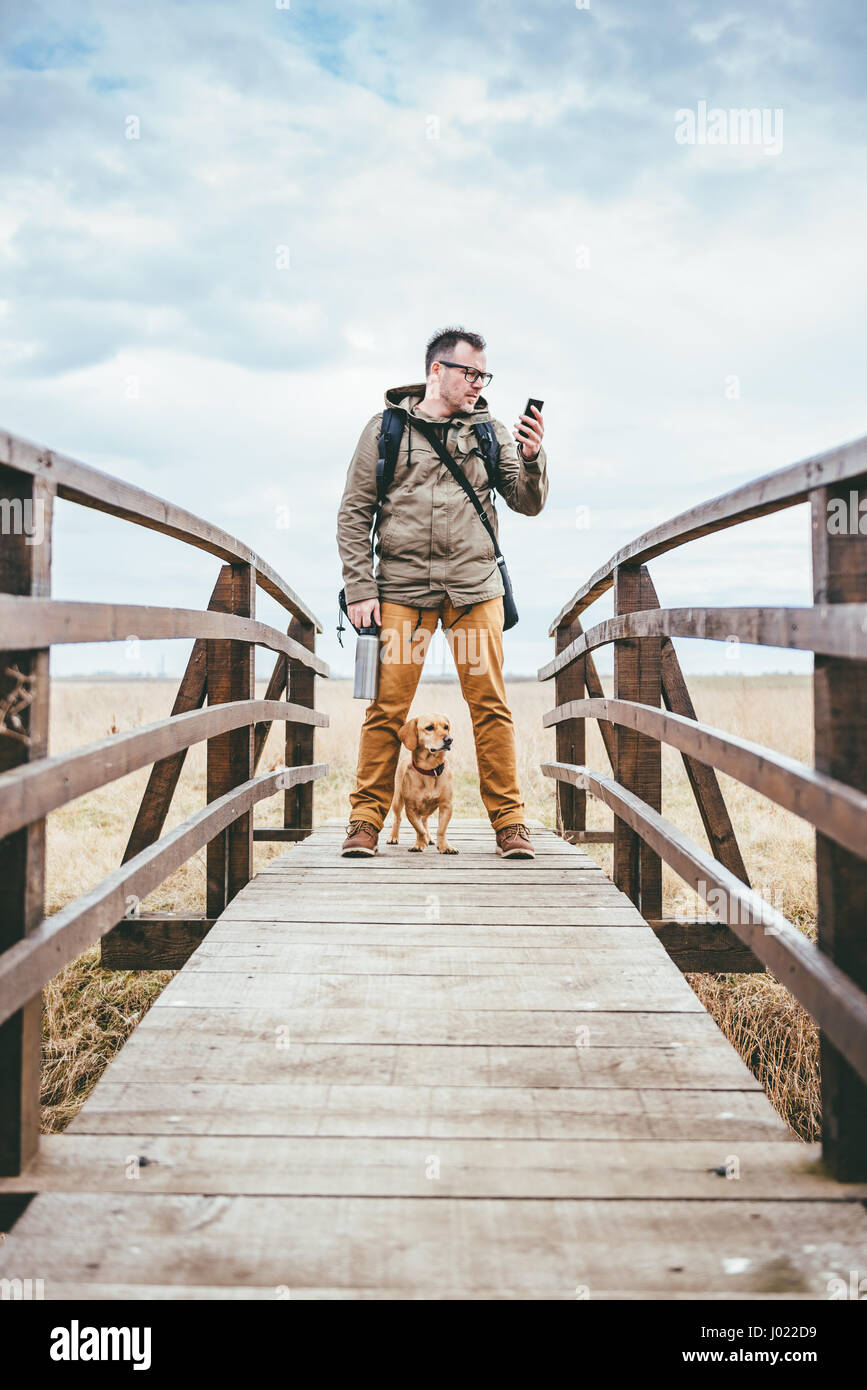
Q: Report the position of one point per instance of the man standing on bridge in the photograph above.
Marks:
(436, 561)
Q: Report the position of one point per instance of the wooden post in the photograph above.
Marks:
(26, 511)
(570, 735)
(638, 758)
(840, 717)
(301, 690)
(231, 676)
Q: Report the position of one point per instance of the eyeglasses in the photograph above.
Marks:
(470, 373)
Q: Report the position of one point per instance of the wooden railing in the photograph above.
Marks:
(830, 978)
(220, 670)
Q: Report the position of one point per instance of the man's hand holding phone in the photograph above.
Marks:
(360, 613)
(528, 431)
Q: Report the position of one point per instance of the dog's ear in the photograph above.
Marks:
(408, 734)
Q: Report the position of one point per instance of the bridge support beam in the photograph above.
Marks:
(26, 511)
(638, 758)
(840, 714)
(298, 801)
(231, 676)
(570, 737)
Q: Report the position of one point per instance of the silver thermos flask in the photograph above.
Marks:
(367, 663)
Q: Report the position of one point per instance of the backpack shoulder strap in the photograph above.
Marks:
(390, 436)
(489, 448)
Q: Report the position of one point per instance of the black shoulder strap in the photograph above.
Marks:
(458, 474)
(489, 448)
(390, 436)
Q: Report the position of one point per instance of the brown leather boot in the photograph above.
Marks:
(513, 842)
(361, 838)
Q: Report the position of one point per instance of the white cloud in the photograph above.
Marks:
(150, 330)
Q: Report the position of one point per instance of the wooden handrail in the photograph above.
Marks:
(837, 810)
(786, 487)
(220, 670)
(78, 482)
(832, 797)
(837, 1004)
(28, 965)
(31, 623)
(838, 629)
(29, 792)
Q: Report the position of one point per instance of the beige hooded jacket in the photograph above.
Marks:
(430, 541)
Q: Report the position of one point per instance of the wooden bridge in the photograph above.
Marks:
(423, 1076)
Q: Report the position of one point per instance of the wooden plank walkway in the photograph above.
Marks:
(425, 1076)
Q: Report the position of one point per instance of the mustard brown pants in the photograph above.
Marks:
(475, 636)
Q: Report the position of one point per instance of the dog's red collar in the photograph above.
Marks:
(429, 771)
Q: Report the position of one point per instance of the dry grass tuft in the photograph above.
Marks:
(88, 1015)
(775, 1036)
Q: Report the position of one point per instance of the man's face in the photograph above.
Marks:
(453, 388)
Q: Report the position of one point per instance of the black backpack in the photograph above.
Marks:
(393, 422)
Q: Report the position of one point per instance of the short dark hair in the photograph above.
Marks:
(446, 340)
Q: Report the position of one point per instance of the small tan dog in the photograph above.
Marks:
(424, 783)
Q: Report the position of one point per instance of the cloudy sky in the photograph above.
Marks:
(227, 228)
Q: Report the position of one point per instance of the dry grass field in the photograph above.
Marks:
(89, 1012)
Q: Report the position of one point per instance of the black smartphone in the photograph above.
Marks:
(537, 404)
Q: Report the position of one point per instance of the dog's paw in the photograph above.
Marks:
(393, 841)
(415, 849)
(447, 849)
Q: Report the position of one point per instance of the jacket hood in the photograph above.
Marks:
(407, 397)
